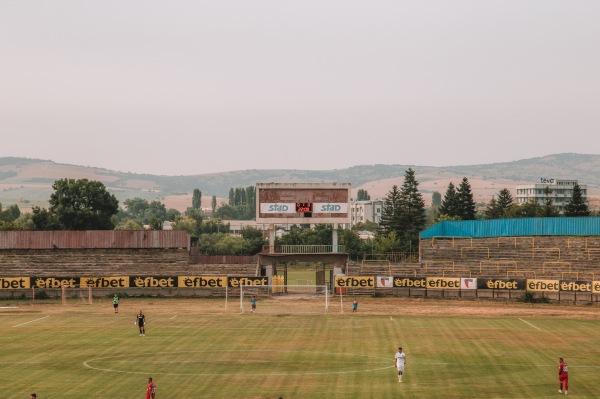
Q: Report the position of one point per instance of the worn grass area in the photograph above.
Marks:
(199, 349)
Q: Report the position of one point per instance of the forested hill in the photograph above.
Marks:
(29, 180)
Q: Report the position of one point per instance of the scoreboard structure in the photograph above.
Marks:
(303, 203)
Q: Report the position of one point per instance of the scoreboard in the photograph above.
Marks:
(303, 203)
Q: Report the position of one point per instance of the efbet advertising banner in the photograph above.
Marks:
(468, 283)
(410, 282)
(510, 284)
(385, 282)
(354, 282)
(153, 282)
(543, 285)
(443, 283)
(10, 283)
(54, 282)
(202, 281)
(105, 282)
(235, 282)
(576, 286)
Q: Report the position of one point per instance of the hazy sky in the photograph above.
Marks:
(192, 87)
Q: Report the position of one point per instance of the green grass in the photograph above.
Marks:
(193, 349)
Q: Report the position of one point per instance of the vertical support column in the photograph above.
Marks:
(272, 238)
(334, 238)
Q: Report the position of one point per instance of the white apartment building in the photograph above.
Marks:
(366, 211)
(558, 191)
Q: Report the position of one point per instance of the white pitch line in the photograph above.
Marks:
(173, 317)
(22, 324)
(526, 322)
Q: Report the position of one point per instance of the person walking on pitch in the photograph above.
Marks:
(399, 363)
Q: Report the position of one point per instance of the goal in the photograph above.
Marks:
(79, 295)
(282, 299)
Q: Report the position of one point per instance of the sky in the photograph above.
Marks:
(195, 87)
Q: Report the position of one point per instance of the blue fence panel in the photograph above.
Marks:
(559, 226)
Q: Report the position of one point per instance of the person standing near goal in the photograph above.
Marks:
(355, 306)
(151, 389)
(253, 303)
(140, 321)
(116, 303)
(399, 363)
(563, 375)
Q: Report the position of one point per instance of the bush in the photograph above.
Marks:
(41, 295)
(529, 297)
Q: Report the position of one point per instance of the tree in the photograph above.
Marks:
(492, 210)
(213, 204)
(362, 195)
(411, 210)
(197, 199)
(464, 200)
(548, 210)
(505, 200)
(10, 214)
(436, 199)
(529, 209)
(577, 206)
(77, 205)
(136, 208)
(450, 203)
(390, 216)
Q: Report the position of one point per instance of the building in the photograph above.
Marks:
(558, 191)
(366, 211)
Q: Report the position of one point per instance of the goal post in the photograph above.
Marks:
(285, 298)
(78, 295)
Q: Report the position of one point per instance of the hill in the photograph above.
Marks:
(28, 182)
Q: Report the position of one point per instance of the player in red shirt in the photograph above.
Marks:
(563, 375)
(151, 390)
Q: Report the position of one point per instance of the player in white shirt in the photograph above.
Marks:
(399, 363)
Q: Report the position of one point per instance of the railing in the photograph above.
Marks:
(305, 249)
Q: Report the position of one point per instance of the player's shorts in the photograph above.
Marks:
(116, 305)
(401, 368)
(563, 377)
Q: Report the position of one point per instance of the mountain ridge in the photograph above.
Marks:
(28, 182)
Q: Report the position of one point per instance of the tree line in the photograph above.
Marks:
(87, 205)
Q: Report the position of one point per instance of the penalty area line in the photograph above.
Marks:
(173, 317)
(32, 321)
(528, 323)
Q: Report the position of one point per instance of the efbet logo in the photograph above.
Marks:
(55, 282)
(163, 282)
(202, 282)
(105, 282)
(17, 282)
(235, 282)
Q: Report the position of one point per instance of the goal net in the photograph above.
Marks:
(285, 299)
(76, 295)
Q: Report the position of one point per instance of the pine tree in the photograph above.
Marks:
(465, 202)
(505, 201)
(389, 212)
(450, 203)
(492, 210)
(577, 205)
(411, 209)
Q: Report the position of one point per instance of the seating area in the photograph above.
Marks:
(111, 262)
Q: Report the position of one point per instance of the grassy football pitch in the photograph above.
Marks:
(198, 348)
